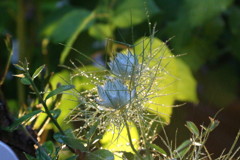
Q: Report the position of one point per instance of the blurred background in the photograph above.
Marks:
(207, 32)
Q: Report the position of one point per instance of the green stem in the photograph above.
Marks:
(130, 138)
(21, 36)
(46, 108)
(44, 104)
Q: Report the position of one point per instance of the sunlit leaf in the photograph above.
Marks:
(177, 81)
(59, 90)
(116, 139)
(38, 71)
(158, 149)
(19, 67)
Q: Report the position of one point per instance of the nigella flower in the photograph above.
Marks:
(124, 65)
(114, 94)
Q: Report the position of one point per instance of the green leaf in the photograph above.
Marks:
(128, 155)
(59, 90)
(158, 149)
(196, 10)
(186, 84)
(133, 12)
(84, 23)
(101, 31)
(116, 139)
(72, 158)
(64, 23)
(19, 67)
(29, 157)
(183, 146)
(38, 71)
(100, 154)
(213, 124)
(56, 113)
(70, 141)
(177, 81)
(92, 130)
(25, 81)
(22, 119)
(42, 155)
(192, 128)
(49, 147)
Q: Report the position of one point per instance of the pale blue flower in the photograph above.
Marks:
(124, 65)
(114, 94)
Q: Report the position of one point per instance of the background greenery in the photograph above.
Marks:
(207, 32)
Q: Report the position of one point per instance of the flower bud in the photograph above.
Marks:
(124, 65)
(114, 94)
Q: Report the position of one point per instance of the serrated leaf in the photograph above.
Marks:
(158, 149)
(22, 119)
(38, 71)
(25, 81)
(70, 141)
(192, 128)
(100, 154)
(59, 90)
(19, 67)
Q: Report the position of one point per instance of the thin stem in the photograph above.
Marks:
(46, 108)
(21, 36)
(130, 138)
(44, 104)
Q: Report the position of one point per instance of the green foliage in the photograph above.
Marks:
(22, 119)
(100, 154)
(37, 72)
(206, 30)
(73, 18)
(70, 140)
(59, 90)
(132, 12)
(177, 83)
